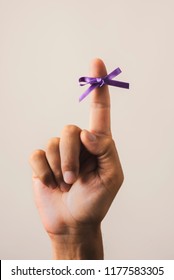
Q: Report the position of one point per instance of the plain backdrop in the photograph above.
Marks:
(45, 46)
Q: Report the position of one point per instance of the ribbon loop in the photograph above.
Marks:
(100, 81)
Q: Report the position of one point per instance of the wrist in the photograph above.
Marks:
(83, 243)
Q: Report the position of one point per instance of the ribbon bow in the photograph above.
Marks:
(99, 82)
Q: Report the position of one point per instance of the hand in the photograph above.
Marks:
(76, 179)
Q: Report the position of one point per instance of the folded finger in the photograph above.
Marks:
(53, 158)
(70, 152)
(42, 169)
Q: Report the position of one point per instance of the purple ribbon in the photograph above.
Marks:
(99, 82)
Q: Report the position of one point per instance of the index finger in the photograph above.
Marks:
(100, 102)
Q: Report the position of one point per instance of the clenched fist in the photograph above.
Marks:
(76, 179)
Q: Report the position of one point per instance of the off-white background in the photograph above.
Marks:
(45, 45)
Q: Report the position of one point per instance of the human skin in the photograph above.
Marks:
(76, 178)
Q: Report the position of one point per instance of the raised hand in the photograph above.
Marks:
(76, 179)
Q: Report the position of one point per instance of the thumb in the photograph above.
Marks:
(101, 146)
(108, 164)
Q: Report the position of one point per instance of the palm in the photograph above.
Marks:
(85, 202)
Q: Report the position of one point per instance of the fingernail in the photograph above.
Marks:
(91, 137)
(69, 177)
(64, 187)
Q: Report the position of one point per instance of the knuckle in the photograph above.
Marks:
(116, 179)
(58, 175)
(109, 142)
(46, 178)
(37, 154)
(52, 144)
(71, 129)
(107, 146)
(120, 178)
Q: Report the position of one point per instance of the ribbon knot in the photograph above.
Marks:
(100, 81)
